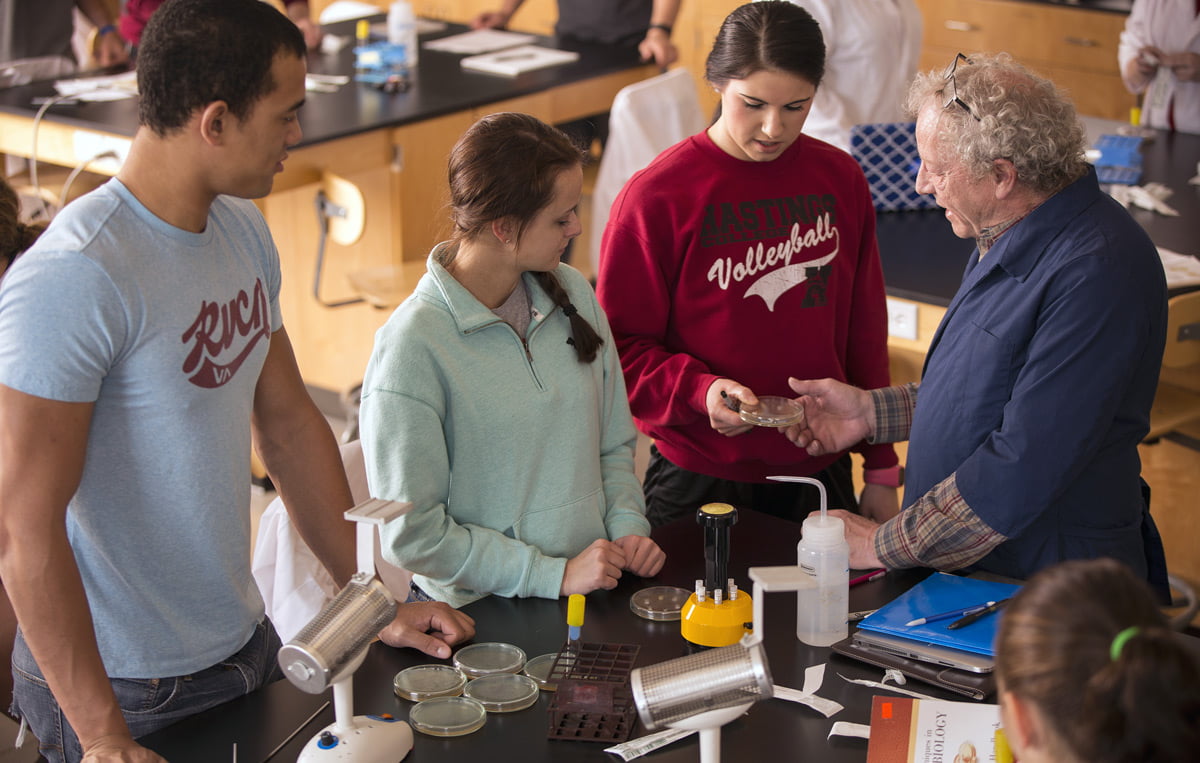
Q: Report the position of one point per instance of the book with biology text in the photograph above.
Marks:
(514, 61)
(910, 730)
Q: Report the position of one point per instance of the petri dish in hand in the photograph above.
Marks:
(772, 411)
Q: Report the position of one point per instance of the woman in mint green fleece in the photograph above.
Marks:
(494, 399)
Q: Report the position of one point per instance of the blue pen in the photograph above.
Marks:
(947, 615)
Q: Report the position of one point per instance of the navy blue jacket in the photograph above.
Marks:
(1038, 384)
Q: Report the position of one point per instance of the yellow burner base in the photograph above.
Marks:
(708, 624)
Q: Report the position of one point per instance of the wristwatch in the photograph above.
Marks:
(892, 476)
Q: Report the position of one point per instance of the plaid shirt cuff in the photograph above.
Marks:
(893, 412)
(938, 531)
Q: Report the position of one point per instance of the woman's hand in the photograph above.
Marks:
(879, 502)
(643, 557)
(720, 416)
(597, 566)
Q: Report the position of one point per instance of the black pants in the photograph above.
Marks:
(673, 492)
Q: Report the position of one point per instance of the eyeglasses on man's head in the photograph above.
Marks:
(951, 89)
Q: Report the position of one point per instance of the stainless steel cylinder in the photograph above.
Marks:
(329, 646)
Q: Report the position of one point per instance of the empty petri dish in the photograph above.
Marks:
(427, 681)
(772, 411)
(659, 602)
(539, 670)
(489, 657)
(447, 716)
(503, 692)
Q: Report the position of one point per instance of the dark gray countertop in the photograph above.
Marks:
(440, 86)
(924, 261)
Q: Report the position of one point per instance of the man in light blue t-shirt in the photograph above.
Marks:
(141, 350)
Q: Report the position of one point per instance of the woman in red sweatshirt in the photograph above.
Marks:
(742, 256)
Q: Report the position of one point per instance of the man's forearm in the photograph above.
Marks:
(42, 451)
(61, 635)
(940, 531)
(509, 7)
(307, 470)
(664, 12)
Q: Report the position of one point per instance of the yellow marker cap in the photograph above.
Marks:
(575, 604)
(1003, 751)
(363, 29)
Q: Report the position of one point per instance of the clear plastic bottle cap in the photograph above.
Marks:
(489, 657)
(823, 531)
(538, 669)
(427, 681)
(659, 602)
(503, 692)
(447, 716)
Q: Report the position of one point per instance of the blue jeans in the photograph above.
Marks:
(416, 594)
(148, 704)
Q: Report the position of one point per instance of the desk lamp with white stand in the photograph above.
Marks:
(330, 648)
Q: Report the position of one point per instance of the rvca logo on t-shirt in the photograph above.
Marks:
(225, 332)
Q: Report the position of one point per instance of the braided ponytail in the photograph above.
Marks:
(505, 166)
(583, 335)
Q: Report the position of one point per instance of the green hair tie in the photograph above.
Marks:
(1118, 642)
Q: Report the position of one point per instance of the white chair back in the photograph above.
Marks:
(343, 10)
(646, 118)
(293, 582)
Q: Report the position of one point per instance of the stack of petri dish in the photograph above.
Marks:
(428, 681)
(440, 709)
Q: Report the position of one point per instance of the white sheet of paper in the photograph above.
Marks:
(1181, 269)
(479, 41)
(111, 87)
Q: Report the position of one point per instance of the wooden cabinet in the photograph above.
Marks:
(1074, 47)
(695, 30)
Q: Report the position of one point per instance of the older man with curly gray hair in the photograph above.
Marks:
(1038, 383)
